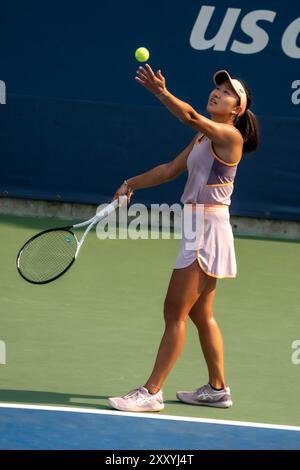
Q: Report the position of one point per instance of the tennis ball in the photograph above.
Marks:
(142, 54)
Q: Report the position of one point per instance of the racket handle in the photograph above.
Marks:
(120, 202)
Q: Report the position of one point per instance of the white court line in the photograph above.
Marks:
(150, 416)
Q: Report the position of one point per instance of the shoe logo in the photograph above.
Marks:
(204, 396)
(208, 396)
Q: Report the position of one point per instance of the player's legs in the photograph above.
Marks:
(185, 288)
(190, 292)
(209, 332)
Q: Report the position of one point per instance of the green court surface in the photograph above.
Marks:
(94, 332)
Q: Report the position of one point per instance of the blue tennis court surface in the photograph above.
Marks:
(51, 428)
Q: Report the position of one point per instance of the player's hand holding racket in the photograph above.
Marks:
(49, 254)
(124, 190)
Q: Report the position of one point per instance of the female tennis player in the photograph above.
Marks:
(211, 160)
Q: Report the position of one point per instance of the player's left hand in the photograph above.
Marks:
(155, 83)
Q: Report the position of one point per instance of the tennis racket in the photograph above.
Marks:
(50, 254)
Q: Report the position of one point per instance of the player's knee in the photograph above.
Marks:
(173, 311)
(202, 318)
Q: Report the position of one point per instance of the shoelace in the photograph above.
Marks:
(132, 393)
(140, 395)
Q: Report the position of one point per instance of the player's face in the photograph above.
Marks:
(223, 100)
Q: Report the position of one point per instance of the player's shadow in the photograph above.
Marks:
(53, 398)
(61, 399)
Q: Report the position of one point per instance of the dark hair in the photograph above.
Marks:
(247, 124)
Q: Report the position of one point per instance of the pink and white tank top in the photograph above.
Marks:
(210, 179)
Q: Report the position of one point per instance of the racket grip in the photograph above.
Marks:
(122, 201)
(119, 202)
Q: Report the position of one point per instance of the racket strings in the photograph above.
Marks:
(48, 255)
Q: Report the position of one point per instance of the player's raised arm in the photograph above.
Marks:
(218, 132)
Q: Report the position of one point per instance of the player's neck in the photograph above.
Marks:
(222, 120)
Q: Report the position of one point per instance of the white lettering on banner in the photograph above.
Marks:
(248, 24)
(221, 39)
(259, 37)
(289, 40)
(296, 95)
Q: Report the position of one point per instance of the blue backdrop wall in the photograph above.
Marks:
(76, 123)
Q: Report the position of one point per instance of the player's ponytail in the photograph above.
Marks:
(247, 124)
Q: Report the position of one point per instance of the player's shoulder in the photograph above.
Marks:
(235, 135)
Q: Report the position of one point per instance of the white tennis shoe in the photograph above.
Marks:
(138, 400)
(207, 396)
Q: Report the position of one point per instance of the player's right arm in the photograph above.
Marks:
(159, 174)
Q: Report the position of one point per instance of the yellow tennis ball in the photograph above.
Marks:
(142, 54)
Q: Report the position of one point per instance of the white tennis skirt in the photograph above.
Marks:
(213, 243)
